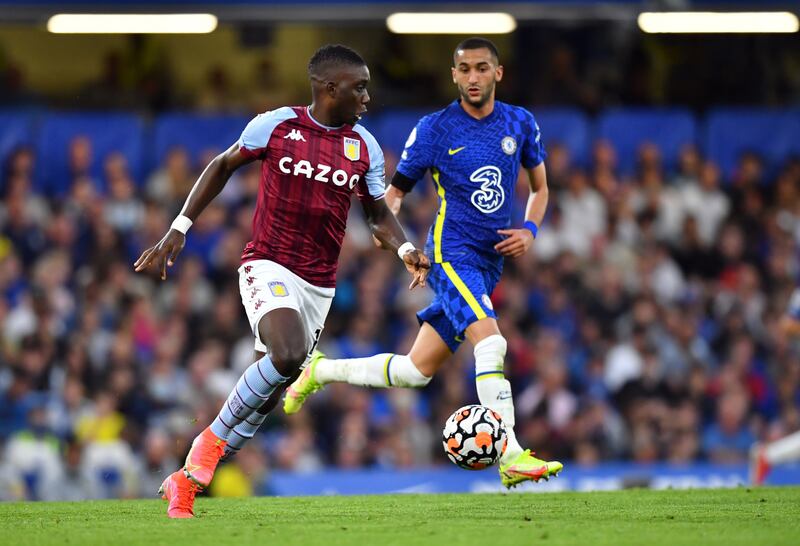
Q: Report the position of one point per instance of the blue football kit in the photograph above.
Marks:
(474, 165)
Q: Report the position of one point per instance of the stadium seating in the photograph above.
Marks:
(568, 127)
(392, 127)
(16, 130)
(107, 131)
(627, 129)
(723, 135)
(197, 133)
(772, 134)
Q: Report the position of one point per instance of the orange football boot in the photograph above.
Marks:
(202, 459)
(180, 492)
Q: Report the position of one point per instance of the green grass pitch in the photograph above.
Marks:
(752, 517)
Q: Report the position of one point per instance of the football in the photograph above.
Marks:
(474, 437)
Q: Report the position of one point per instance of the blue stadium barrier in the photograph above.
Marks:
(628, 128)
(108, 131)
(392, 127)
(567, 127)
(773, 134)
(600, 477)
(197, 133)
(16, 130)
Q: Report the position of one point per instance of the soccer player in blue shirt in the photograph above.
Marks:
(473, 148)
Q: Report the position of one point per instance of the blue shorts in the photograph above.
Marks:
(461, 297)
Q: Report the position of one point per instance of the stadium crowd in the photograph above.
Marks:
(642, 326)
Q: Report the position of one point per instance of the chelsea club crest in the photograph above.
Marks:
(509, 145)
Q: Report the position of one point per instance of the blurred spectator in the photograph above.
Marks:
(32, 457)
(171, 183)
(727, 439)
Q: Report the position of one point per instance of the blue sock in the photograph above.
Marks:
(253, 389)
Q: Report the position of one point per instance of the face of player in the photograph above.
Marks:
(475, 73)
(351, 94)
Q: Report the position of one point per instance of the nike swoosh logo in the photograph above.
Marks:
(454, 151)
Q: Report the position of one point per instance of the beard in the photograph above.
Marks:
(476, 102)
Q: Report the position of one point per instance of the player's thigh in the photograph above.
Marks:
(463, 291)
(272, 303)
(315, 303)
(481, 329)
(429, 351)
(282, 333)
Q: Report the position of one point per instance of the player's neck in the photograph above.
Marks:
(478, 113)
(323, 117)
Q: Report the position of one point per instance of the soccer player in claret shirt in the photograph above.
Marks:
(312, 159)
(473, 148)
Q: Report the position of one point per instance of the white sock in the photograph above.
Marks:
(784, 450)
(383, 370)
(494, 390)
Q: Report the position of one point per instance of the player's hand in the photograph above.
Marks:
(163, 254)
(516, 243)
(418, 265)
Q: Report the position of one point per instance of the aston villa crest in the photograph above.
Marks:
(352, 149)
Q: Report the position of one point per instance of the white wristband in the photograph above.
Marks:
(181, 223)
(405, 247)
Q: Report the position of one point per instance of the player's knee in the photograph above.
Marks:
(407, 374)
(490, 353)
(288, 356)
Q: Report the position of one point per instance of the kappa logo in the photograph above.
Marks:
(295, 135)
(352, 148)
(253, 292)
(259, 303)
(248, 269)
(250, 280)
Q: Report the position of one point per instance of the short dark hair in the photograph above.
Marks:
(477, 43)
(333, 55)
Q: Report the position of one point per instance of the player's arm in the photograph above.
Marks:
(207, 187)
(386, 229)
(518, 241)
(397, 190)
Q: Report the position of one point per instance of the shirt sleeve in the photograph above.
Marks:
(255, 137)
(416, 156)
(374, 184)
(533, 152)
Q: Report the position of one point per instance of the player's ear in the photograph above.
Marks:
(330, 88)
(453, 73)
(498, 74)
